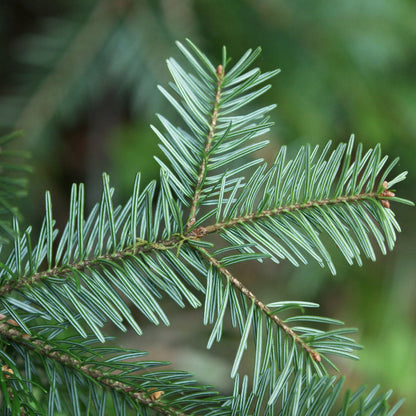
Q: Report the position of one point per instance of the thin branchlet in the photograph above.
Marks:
(146, 398)
(139, 247)
(266, 310)
(290, 208)
(208, 145)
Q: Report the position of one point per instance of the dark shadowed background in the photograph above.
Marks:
(79, 77)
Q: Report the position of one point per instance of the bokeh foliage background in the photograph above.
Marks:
(79, 77)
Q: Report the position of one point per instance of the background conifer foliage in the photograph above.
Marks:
(177, 240)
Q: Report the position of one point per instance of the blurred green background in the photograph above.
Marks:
(79, 77)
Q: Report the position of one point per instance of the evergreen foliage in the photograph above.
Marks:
(58, 291)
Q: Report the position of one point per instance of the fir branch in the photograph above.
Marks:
(212, 228)
(202, 174)
(176, 241)
(253, 298)
(127, 253)
(142, 246)
(29, 342)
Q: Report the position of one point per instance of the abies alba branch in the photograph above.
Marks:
(62, 290)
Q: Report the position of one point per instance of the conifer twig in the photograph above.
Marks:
(208, 145)
(140, 247)
(29, 342)
(289, 208)
(266, 310)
